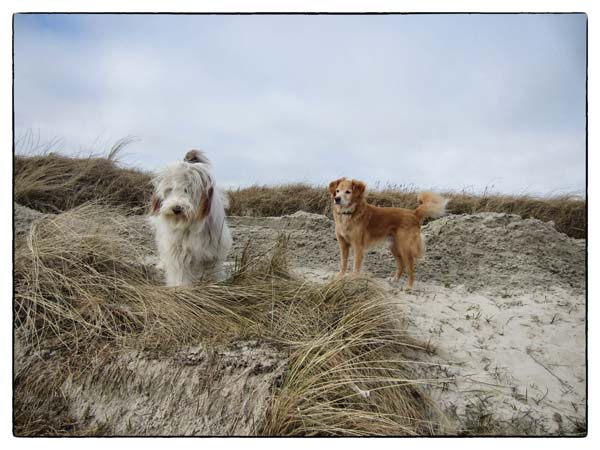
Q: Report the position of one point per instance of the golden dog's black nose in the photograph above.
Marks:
(338, 200)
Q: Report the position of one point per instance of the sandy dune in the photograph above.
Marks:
(499, 299)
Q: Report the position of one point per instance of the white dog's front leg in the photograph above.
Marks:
(210, 271)
(176, 276)
(219, 271)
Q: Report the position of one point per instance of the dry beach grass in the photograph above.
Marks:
(51, 183)
(567, 212)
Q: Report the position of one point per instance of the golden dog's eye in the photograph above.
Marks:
(347, 192)
(337, 190)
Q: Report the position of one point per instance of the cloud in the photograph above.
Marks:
(446, 101)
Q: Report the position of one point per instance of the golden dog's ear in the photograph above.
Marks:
(333, 185)
(358, 187)
(154, 205)
(205, 204)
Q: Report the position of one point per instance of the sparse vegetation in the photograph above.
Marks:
(568, 213)
(53, 183)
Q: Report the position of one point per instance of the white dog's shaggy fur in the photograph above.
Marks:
(188, 215)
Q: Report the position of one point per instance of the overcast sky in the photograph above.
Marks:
(431, 101)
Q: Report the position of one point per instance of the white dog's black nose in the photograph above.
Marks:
(177, 210)
(338, 200)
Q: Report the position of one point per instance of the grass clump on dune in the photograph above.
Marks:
(53, 183)
(81, 291)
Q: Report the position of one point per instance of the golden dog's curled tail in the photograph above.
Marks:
(431, 205)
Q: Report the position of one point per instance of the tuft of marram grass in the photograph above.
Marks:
(54, 183)
(80, 285)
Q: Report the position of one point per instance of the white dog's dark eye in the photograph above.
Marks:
(186, 190)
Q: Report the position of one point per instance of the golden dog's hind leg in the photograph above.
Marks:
(344, 251)
(399, 266)
(409, 262)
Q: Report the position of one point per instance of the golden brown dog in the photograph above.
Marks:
(360, 225)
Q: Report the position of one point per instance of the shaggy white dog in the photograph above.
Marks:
(188, 215)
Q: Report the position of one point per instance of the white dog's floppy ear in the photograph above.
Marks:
(155, 204)
(205, 204)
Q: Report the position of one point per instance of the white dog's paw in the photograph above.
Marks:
(362, 393)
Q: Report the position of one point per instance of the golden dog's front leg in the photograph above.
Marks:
(358, 258)
(344, 251)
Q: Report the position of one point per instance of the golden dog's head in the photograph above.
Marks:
(346, 192)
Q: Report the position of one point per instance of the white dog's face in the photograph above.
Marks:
(182, 194)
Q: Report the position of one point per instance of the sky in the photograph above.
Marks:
(448, 102)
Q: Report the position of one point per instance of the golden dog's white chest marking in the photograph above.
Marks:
(344, 235)
(344, 227)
